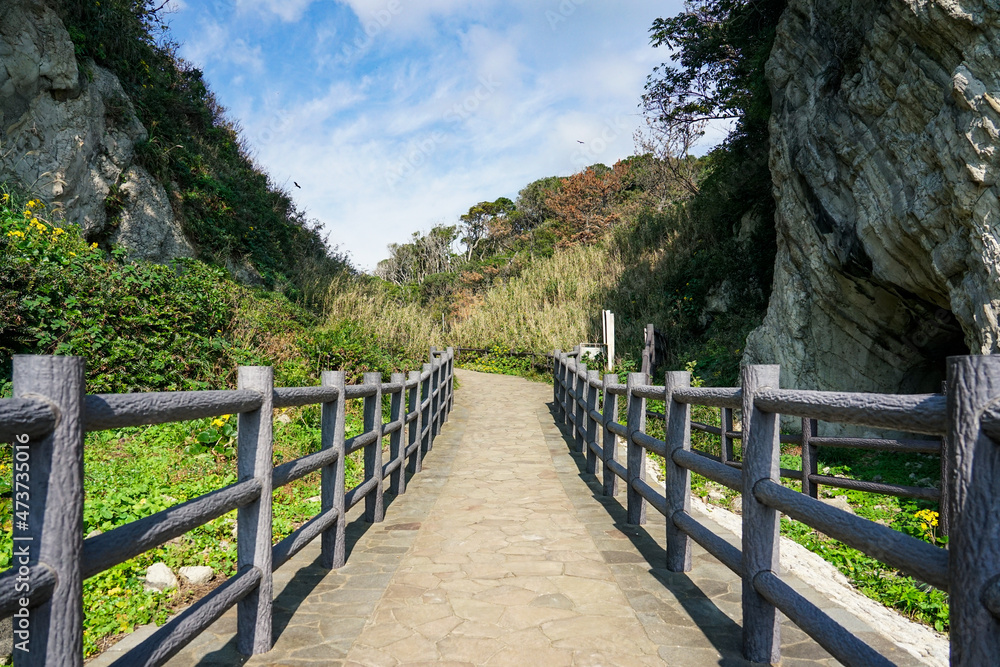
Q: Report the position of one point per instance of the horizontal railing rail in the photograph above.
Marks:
(965, 421)
(47, 419)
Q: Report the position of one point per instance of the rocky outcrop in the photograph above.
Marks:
(147, 226)
(884, 160)
(70, 137)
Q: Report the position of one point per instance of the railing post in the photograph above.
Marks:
(413, 403)
(636, 504)
(944, 512)
(332, 482)
(425, 419)
(435, 399)
(397, 450)
(555, 381)
(569, 385)
(726, 443)
(451, 383)
(610, 443)
(254, 521)
(592, 392)
(374, 503)
(648, 351)
(580, 431)
(678, 479)
(49, 530)
(974, 489)
(809, 463)
(761, 457)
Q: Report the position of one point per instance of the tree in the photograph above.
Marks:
(585, 202)
(532, 201)
(423, 256)
(721, 47)
(487, 227)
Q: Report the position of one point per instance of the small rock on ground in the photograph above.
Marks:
(159, 578)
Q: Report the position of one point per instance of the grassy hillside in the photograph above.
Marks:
(227, 204)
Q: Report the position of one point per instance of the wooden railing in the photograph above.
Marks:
(966, 420)
(47, 420)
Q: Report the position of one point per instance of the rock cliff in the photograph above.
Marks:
(884, 138)
(70, 137)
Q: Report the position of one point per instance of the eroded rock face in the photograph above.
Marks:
(884, 159)
(70, 138)
(148, 228)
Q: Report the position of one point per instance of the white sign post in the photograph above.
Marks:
(608, 326)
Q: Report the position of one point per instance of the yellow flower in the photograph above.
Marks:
(5, 198)
(218, 423)
(93, 245)
(58, 230)
(72, 254)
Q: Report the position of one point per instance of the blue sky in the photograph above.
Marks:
(395, 115)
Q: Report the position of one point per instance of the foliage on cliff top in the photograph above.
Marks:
(228, 205)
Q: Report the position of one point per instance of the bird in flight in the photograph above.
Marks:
(579, 142)
(297, 185)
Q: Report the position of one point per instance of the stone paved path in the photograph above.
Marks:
(503, 552)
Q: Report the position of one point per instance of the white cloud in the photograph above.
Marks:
(289, 11)
(450, 103)
(216, 43)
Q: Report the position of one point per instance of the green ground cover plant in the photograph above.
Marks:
(501, 361)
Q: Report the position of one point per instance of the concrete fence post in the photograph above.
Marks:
(678, 479)
(810, 465)
(451, 382)
(47, 510)
(592, 394)
(555, 381)
(636, 504)
(436, 400)
(568, 387)
(580, 407)
(415, 463)
(974, 500)
(609, 445)
(397, 444)
(726, 444)
(254, 521)
(425, 412)
(332, 482)
(761, 458)
(374, 502)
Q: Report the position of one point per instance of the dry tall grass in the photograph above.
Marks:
(398, 324)
(555, 303)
